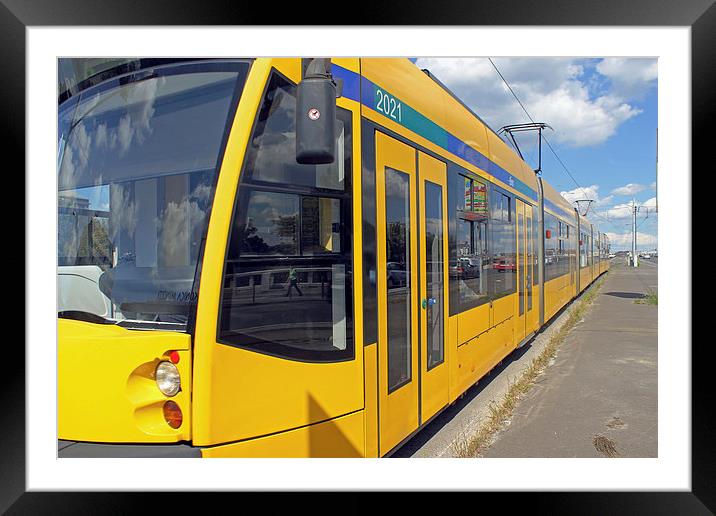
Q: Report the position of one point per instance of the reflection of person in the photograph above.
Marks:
(293, 282)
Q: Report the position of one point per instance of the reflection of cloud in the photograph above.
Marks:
(124, 211)
(124, 133)
(276, 151)
(396, 184)
(202, 192)
(68, 177)
(179, 222)
(88, 134)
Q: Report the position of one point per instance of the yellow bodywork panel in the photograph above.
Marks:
(241, 394)
(557, 293)
(371, 400)
(585, 277)
(106, 387)
(339, 437)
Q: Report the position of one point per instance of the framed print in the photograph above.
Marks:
(36, 36)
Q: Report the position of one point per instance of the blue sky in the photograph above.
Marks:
(604, 116)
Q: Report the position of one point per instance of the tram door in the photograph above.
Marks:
(411, 201)
(530, 271)
(526, 321)
(433, 246)
(520, 320)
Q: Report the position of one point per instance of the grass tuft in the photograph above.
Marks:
(605, 446)
(474, 443)
(651, 298)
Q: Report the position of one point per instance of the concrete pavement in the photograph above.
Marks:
(599, 398)
(602, 384)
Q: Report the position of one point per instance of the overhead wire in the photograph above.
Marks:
(545, 138)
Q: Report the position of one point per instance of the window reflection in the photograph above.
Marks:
(559, 247)
(397, 223)
(503, 271)
(136, 167)
(471, 263)
(434, 261)
(287, 287)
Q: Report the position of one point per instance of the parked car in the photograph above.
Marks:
(505, 265)
(464, 268)
(397, 275)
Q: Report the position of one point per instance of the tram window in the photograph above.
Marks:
(398, 273)
(370, 259)
(583, 250)
(536, 236)
(468, 237)
(557, 248)
(434, 269)
(271, 155)
(287, 284)
(550, 244)
(571, 250)
(503, 271)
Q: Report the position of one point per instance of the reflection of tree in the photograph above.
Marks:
(396, 242)
(285, 226)
(94, 242)
(249, 241)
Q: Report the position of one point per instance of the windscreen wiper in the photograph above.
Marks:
(80, 315)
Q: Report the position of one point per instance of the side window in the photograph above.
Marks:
(583, 249)
(551, 247)
(287, 283)
(503, 272)
(535, 237)
(469, 258)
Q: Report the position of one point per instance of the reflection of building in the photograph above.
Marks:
(69, 200)
(82, 237)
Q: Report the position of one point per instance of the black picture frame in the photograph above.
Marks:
(700, 15)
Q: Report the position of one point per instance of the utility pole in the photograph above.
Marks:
(634, 257)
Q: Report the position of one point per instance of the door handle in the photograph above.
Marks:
(428, 302)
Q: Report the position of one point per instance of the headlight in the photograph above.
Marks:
(167, 377)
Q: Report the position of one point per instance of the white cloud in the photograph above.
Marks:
(630, 77)
(554, 90)
(625, 210)
(629, 189)
(623, 240)
(620, 211)
(650, 203)
(586, 193)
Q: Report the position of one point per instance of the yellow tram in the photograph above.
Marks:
(240, 276)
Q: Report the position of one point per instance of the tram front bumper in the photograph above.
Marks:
(75, 449)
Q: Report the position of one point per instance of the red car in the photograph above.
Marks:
(504, 265)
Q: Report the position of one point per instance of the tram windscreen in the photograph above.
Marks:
(137, 162)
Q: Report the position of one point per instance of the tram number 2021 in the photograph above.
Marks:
(387, 105)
